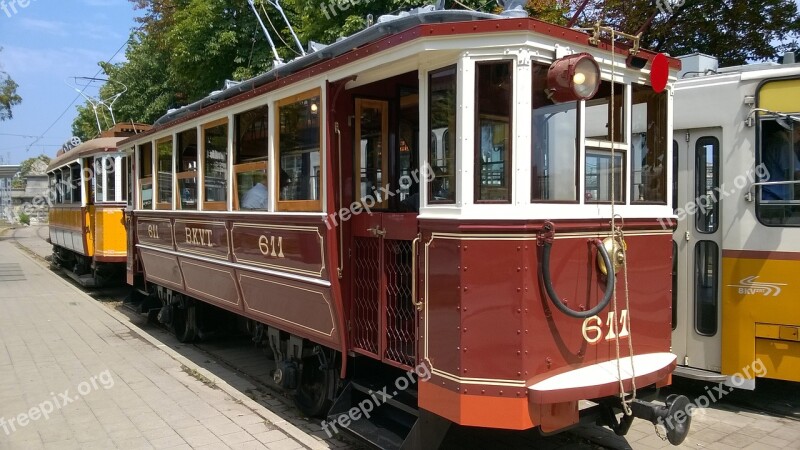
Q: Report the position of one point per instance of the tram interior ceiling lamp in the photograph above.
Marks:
(574, 77)
(787, 121)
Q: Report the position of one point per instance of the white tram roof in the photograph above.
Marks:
(390, 30)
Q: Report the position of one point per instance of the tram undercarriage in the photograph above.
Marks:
(86, 271)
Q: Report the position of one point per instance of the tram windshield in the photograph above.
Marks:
(780, 174)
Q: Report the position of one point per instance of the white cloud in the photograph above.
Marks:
(44, 26)
(101, 3)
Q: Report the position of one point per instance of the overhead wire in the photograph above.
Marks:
(38, 138)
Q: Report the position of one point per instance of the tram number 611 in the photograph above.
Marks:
(270, 246)
(593, 327)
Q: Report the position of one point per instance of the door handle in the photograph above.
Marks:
(419, 304)
(688, 236)
(377, 231)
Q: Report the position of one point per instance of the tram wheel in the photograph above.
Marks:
(184, 323)
(311, 397)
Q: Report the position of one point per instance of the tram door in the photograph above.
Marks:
(696, 337)
(383, 317)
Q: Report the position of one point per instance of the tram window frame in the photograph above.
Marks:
(602, 178)
(186, 181)
(602, 102)
(124, 184)
(489, 94)
(708, 275)
(103, 178)
(706, 223)
(546, 154)
(287, 158)
(249, 166)
(778, 212)
(168, 144)
(214, 167)
(446, 174)
(75, 182)
(59, 186)
(146, 174)
(651, 188)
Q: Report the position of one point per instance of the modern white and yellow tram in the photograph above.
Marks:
(736, 179)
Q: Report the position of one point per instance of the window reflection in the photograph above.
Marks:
(649, 145)
(299, 152)
(215, 166)
(442, 124)
(554, 144)
(599, 187)
(164, 164)
(493, 143)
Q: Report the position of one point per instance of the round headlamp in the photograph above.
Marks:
(575, 77)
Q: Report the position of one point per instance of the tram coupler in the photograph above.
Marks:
(674, 416)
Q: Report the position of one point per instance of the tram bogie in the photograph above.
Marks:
(389, 203)
(89, 191)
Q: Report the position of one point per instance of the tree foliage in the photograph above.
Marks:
(184, 49)
(8, 95)
(33, 166)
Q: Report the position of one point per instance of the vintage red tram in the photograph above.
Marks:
(414, 197)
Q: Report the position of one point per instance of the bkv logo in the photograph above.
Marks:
(666, 6)
(749, 286)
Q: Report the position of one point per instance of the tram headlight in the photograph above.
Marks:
(575, 77)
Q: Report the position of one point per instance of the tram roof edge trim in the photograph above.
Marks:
(87, 148)
(374, 34)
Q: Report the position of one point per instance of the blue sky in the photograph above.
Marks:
(44, 43)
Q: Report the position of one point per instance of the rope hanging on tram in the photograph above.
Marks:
(546, 240)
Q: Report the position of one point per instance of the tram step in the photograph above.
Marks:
(379, 422)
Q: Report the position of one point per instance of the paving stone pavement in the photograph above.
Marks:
(50, 343)
(73, 376)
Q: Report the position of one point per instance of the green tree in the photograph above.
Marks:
(8, 95)
(184, 49)
(734, 31)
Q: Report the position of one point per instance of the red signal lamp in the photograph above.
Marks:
(574, 77)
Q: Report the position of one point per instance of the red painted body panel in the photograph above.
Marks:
(492, 331)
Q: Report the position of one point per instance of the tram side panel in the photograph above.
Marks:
(272, 270)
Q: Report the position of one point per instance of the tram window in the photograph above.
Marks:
(97, 167)
(554, 145)
(164, 178)
(706, 273)
(674, 285)
(110, 166)
(492, 131)
(252, 146)
(649, 145)
(125, 181)
(372, 155)
(215, 165)
(442, 109)
(146, 176)
(299, 137)
(599, 114)
(675, 176)
(707, 184)
(75, 180)
(598, 183)
(59, 190)
(779, 163)
(187, 169)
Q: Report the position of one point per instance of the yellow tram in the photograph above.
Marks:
(89, 188)
(736, 315)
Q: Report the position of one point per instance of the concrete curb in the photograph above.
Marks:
(288, 428)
